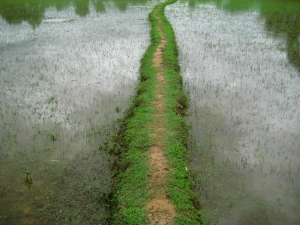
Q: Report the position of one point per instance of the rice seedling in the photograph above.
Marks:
(53, 79)
(28, 179)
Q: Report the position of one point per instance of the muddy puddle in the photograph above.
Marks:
(240, 64)
(68, 71)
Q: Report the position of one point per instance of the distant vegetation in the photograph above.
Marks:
(282, 18)
(32, 11)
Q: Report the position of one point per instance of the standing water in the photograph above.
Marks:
(68, 70)
(240, 62)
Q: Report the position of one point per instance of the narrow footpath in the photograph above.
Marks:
(159, 209)
(151, 183)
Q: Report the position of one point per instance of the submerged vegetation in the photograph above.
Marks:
(281, 18)
(27, 179)
(68, 74)
(244, 110)
(63, 86)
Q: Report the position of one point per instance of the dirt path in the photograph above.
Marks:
(159, 209)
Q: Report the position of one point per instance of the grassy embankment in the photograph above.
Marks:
(131, 188)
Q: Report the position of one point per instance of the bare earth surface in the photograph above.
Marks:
(159, 209)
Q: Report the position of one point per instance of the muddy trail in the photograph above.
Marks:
(151, 180)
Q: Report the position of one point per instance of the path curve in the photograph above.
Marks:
(151, 183)
(159, 209)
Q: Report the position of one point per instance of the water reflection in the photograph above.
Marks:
(282, 19)
(244, 113)
(32, 11)
(60, 85)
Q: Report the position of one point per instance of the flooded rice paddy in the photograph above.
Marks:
(68, 71)
(240, 64)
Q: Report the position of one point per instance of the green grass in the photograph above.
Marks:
(130, 170)
(131, 167)
(179, 180)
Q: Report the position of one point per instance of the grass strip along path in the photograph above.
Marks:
(151, 183)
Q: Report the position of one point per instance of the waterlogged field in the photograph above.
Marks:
(240, 64)
(65, 77)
